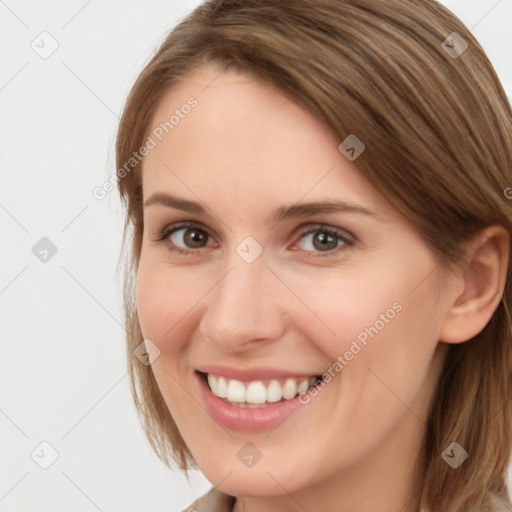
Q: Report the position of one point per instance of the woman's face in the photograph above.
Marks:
(263, 291)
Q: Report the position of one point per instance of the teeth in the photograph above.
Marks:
(303, 386)
(274, 391)
(256, 394)
(245, 405)
(212, 382)
(236, 391)
(222, 387)
(289, 389)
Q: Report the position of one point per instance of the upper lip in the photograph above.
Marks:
(250, 374)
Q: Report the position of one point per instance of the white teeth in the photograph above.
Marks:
(212, 382)
(289, 389)
(255, 394)
(236, 391)
(303, 386)
(222, 387)
(274, 391)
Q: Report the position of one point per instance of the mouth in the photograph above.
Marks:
(256, 394)
(256, 399)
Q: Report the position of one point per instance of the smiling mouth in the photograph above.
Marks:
(258, 393)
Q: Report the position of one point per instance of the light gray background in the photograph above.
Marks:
(63, 370)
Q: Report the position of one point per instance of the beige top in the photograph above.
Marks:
(213, 501)
(216, 501)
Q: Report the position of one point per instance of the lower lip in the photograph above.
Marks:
(243, 419)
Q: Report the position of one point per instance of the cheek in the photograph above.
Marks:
(164, 303)
(347, 307)
(164, 298)
(372, 316)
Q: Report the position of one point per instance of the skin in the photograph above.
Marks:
(244, 151)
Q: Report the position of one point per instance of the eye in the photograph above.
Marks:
(323, 239)
(191, 236)
(320, 241)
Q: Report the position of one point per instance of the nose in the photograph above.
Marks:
(243, 310)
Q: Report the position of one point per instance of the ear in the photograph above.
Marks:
(483, 281)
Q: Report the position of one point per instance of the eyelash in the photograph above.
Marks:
(172, 228)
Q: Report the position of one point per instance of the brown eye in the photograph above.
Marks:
(325, 240)
(192, 237)
(184, 238)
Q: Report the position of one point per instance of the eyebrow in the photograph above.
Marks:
(281, 213)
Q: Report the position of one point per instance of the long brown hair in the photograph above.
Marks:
(410, 81)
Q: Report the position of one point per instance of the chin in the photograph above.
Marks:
(261, 480)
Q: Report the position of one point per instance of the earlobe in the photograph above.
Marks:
(484, 279)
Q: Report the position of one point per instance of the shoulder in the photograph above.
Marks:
(213, 501)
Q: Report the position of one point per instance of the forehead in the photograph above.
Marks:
(238, 112)
(243, 138)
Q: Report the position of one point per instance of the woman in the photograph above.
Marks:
(318, 266)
